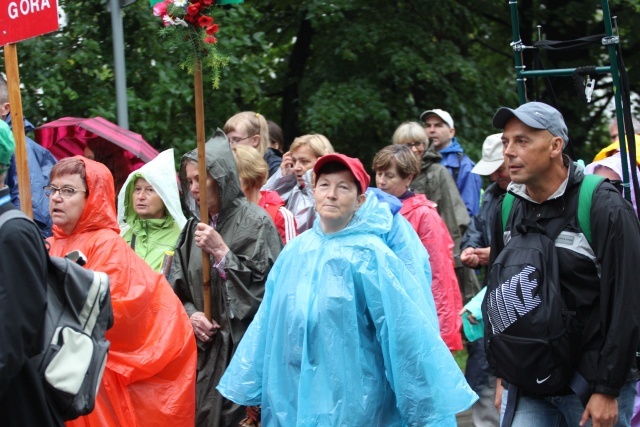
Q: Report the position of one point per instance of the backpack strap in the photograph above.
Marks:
(12, 214)
(510, 407)
(507, 204)
(585, 198)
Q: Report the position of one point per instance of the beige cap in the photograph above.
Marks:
(492, 157)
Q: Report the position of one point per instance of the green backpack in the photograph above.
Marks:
(587, 188)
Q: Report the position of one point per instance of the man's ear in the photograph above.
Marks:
(5, 109)
(557, 145)
(452, 131)
(255, 141)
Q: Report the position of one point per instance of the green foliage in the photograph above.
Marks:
(352, 70)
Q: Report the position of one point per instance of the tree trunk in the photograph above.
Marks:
(295, 70)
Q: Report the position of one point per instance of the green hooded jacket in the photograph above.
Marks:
(153, 237)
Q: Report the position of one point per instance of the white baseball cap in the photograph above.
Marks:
(492, 157)
(446, 117)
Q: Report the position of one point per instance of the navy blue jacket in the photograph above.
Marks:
(40, 163)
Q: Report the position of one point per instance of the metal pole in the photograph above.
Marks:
(560, 72)
(613, 55)
(517, 51)
(118, 63)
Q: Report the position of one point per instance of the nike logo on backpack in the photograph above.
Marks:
(542, 380)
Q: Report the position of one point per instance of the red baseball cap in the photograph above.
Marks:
(354, 166)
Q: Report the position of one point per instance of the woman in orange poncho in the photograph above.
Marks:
(149, 378)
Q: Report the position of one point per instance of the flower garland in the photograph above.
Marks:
(189, 28)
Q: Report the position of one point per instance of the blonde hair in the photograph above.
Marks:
(252, 169)
(409, 132)
(405, 161)
(254, 124)
(318, 144)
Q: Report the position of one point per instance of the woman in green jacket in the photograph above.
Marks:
(149, 212)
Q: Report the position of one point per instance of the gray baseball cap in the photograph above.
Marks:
(537, 115)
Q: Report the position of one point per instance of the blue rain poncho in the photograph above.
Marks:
(403, 241)
(338, 340)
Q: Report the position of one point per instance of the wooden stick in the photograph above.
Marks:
(17, 123)
(202, 182)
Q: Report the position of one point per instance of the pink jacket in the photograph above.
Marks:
(435, 237)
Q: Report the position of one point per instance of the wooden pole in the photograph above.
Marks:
(202, 182)
(17, 123)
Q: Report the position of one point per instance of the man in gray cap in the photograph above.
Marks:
(597, 279)
(23, 301)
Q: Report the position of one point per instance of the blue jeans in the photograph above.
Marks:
(563, 411)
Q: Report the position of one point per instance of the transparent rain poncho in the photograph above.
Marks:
(338, 341)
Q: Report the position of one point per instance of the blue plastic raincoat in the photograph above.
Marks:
(339, 341)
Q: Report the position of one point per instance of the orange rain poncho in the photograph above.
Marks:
(150, 374)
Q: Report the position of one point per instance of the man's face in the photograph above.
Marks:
(501, 176)
(438, 132)
(528, 152)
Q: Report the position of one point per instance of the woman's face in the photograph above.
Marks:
(303, 160)
(146, 202)
(213, 194)
(390, 182)
(336, 197)
(417, 148)
(66, 212)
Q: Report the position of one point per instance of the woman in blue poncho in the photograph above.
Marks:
(337, 340)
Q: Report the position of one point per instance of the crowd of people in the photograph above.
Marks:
(329, 302)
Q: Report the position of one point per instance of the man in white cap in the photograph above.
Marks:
(597, 277)
(477, 239)
(441, 133)
(475, 253)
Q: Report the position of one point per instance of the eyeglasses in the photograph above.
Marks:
(65, 192)
(416, 144)
(236, 140)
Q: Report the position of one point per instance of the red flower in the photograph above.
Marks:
(207, 2)
(193, 9)
(205, 21)
(210, 39)
(190, 19)
(160, 9)
(211, 30)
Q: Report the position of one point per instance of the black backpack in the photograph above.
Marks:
(77, 318)
(532, 336)
(532, 340)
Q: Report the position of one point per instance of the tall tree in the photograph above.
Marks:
(352, 70)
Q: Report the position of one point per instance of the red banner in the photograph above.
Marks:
(23, 19)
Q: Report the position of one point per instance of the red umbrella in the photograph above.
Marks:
(121, 150)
